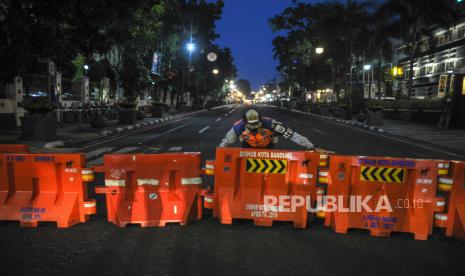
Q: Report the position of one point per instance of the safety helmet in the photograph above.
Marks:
(252, 118)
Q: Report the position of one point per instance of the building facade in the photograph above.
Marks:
(437, 64)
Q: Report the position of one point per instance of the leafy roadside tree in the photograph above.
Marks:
(59, 31)
(335, 26)
(243, 86)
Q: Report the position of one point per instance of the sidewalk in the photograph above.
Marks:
(453, 139)
(73, 134)
(450, 138)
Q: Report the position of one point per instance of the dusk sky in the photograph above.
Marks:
(244, 28)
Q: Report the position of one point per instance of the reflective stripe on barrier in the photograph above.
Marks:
(152, 189)
(400, 195)
(13, 148)
(210, 167)
(454, 220)
(245, 177)
(44, 187)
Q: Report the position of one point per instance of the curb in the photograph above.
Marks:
(120, 129)
(347, 122)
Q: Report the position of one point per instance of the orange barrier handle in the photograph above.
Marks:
(99, 169)
(204, 192)
(101, 190)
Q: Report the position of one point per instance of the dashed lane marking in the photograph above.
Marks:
(95, 162)
(175, 149)
(97, 152)
(319, 131)
(203, 129)
(151, 150)
(126, 150)
(219, 119)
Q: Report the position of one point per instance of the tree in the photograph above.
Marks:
(335, 26)
(414, 21)
(59, 31)
(243, 86)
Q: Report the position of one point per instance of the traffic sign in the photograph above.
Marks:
(212, 57)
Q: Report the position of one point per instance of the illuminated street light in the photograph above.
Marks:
(215, 71)
(86, 67)
(319, 50)
(366, 67)
(190, 47)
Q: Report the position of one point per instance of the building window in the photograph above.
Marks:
(448, 37)
(450, 65)
(460, 32)
(442, 67)
(459, 63)
(430, 69)
(422, 71)
(441, 39)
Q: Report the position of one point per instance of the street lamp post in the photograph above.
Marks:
(319, 50)
(86, 67)
(367, 67)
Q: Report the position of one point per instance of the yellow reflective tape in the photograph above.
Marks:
(261, 164)
(444, 187)
(382, 174)
(443, 172)
(269, 164)
(273, 166)
(370, 174)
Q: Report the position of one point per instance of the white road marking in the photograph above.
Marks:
(126, 150)
(219, 119)
(175, 149)
(97, 152)
(319, 131)
(166, 132)
(150, 150)
(95, 162)
(387, 137)
(203, 129)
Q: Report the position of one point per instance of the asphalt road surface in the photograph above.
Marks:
(207, 247)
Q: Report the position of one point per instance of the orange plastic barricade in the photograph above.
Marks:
(382, 195)
(454, 185)
(152, 189)
(44, 187)
(12, 148)
(244, 177)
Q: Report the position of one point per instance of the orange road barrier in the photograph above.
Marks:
(152, 189)
(12, 148)
(401, 195)
(454, 219)
(244, 177)
(44, 187)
